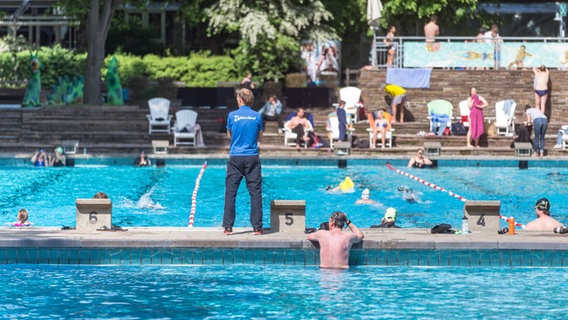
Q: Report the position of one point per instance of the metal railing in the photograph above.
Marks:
(475, 52)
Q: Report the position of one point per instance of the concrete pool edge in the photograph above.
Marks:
(180, 237)
(208, 246)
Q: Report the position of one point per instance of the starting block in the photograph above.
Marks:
(70, 146)
(342, 148)
(288, 216)
(523, 149)
(160, 146)
(483, 216)
(432, 148)
(93, 214)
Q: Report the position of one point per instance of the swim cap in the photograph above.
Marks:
(365, 194)
(542, 204)
(390, 215)
(346, 185)
(59, 150)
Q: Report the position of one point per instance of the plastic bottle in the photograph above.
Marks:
(465, 226)
(511, 225)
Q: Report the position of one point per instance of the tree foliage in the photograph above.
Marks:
(270, 31)
(410, 15)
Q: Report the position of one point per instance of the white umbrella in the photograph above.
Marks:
(374, 8)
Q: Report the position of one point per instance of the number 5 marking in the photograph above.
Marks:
(289, 219)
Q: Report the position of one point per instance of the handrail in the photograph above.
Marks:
(471, 52)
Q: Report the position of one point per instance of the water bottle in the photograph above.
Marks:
(465, 226)
(511, 225)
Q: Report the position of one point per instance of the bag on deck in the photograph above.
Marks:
(458, 129)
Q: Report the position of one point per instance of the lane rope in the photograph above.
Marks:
(194, 196)
(435, 187)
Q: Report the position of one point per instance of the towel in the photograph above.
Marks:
(409, 78)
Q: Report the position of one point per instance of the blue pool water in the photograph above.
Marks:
(281, 292)
(50, 193)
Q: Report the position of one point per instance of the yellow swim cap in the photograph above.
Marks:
(346, 184)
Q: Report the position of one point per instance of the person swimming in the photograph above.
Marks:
(408, 194)
(22, 219)
(365, 198)
(389, 220)
(346, 186)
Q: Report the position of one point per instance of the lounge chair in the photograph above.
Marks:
(464, 113)
(332, 128)
(290, 137)
(505, 117)
(186, 130)
(351, 96)
(440, 115)
(159, 119)
(388, 137)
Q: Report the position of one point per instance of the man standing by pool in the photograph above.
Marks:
(244, 128)
(334, 243)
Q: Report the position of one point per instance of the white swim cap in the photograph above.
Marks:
(365, 194)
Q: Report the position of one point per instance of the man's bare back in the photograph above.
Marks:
(543, 223)
(541, 79)
(334, 243)
(431, 30)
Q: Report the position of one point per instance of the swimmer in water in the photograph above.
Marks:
(22, 219)
(365, 198)
(407, 194)
(346, 186)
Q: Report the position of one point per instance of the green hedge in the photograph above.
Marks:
(198, 70)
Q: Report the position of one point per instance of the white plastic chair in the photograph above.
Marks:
(332, 128)
(185, 128)
(351, 96)
(505, 117)
(464, 112)
(388, 134)
(290, 137)
(159, 119)
(439, 109)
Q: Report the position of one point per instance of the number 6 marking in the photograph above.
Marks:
(289, 219)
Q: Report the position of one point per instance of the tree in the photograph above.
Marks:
(270, 31)
(410, 15)
(98, 15)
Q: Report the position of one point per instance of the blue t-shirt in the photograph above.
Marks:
(245, 125)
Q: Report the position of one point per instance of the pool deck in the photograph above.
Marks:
(176, 237)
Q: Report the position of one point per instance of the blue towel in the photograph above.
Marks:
(409, 78)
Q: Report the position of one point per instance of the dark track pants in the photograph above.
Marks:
(248, 167)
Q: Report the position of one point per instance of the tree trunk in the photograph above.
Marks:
(98, 24)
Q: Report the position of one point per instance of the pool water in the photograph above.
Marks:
(162, 196)
(281, 292)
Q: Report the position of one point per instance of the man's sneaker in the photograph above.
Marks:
(258, 232)
(228, 231)
(557, 146)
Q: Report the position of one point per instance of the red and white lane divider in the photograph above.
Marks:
(194, 196)
(435, 187)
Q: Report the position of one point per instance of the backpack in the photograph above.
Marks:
(458, 129)
(442, 228)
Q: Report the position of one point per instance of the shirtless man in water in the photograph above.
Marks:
(544, 222)
(334, 243)
(541, 77)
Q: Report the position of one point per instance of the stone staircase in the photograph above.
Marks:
(124, 129)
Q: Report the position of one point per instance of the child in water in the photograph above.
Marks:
(22, 219)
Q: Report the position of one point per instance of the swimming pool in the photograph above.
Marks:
(281, 292)
(50, 193)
